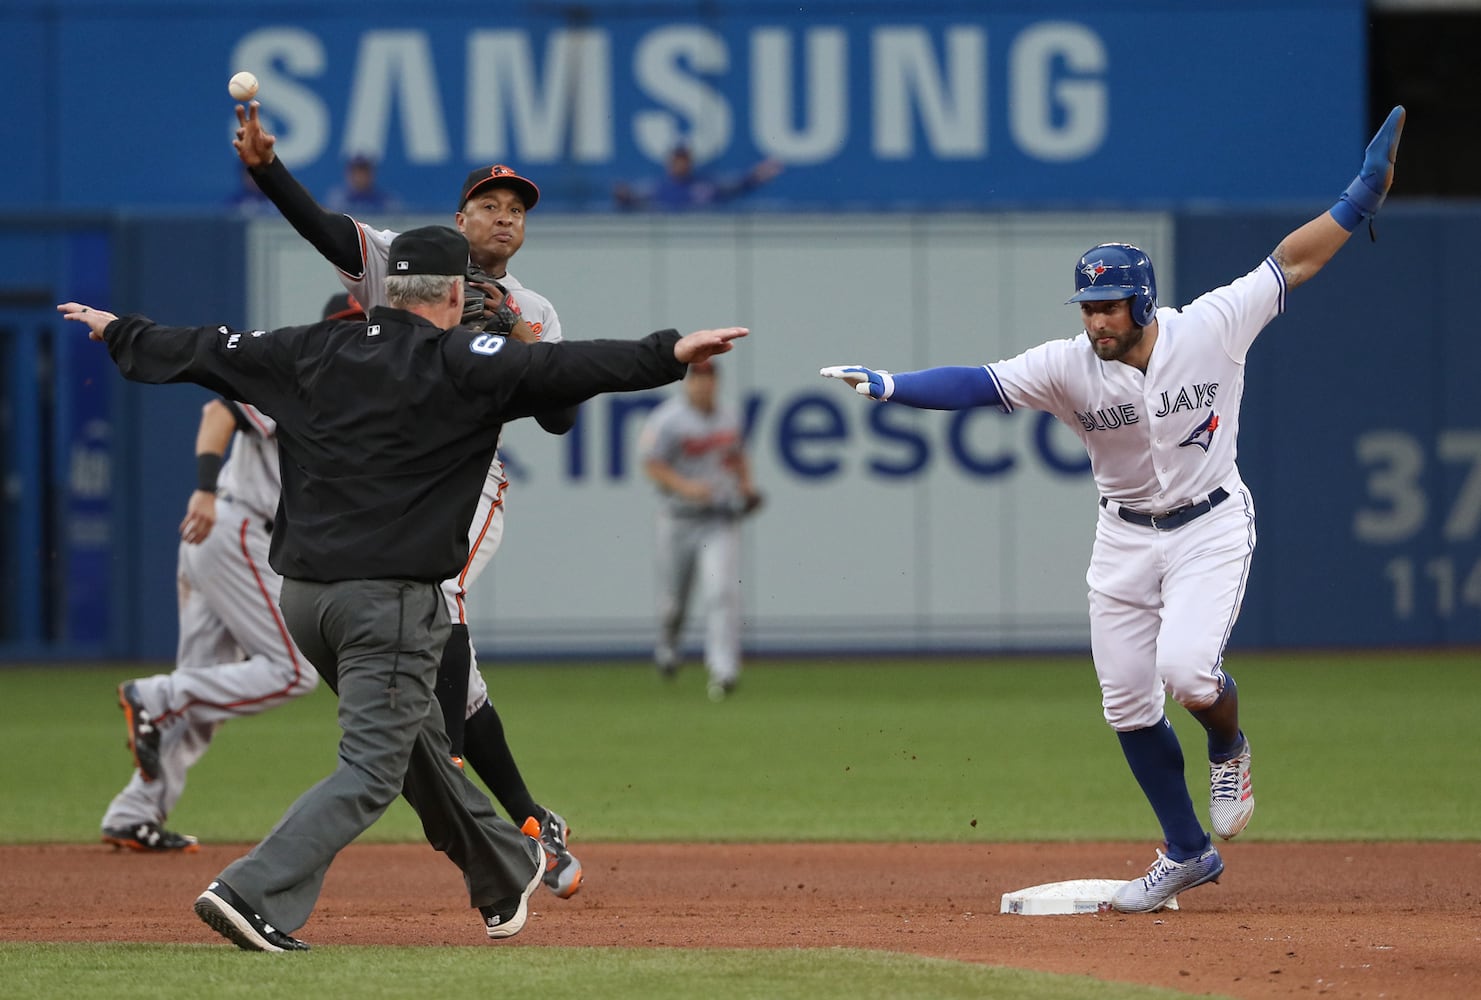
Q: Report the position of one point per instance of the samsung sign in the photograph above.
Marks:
(941, 105)
(551, 100)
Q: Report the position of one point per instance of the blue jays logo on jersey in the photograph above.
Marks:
(1095, 270)
(1203, 434)
(486, 344)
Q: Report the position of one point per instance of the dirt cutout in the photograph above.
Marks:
(1341, 920)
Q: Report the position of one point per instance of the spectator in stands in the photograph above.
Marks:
(360, 191)
(681, 187)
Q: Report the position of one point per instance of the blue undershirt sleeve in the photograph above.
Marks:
(955, 387)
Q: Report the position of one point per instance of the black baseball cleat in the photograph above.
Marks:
(143, 733)
(150, 837)
(228, 915)
(507, 917)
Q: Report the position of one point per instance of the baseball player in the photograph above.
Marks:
(235, 657)
(1154, 394)
(491, 214)
(692, 450)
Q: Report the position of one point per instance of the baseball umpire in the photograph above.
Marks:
(492, 207)
(371, 520)
(1154, 394)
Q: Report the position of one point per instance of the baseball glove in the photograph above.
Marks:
(478, 312)
(752, 504)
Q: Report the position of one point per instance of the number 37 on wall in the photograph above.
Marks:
(1399, 505)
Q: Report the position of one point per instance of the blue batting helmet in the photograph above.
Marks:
(1117, 271)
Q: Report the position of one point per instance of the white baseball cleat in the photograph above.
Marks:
(1165, 879)
(1231, 794)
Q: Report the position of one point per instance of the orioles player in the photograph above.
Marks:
(1154, 394)
(692, 451)
(234, 657)
(491, 214)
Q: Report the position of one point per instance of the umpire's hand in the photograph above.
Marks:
(96, 319)
(702, 344)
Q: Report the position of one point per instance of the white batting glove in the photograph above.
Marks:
(877, 385)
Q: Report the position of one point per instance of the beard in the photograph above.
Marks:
(1120, 344)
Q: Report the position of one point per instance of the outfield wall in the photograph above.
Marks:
(885, 528)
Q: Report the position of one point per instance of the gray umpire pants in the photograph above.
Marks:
(377, 643)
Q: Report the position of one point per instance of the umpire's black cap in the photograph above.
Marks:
(500, 176)
(428, 250)
(343, 306)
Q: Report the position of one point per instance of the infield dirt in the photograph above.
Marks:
(1331, 919)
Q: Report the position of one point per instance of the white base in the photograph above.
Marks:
(1081, 895)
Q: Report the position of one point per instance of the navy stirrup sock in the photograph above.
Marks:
(1156, 759)
(1221, 721)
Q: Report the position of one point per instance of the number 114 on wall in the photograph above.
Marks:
(1452, 588)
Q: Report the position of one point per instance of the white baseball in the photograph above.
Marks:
(243, 86)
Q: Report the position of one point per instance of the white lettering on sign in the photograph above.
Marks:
(282, 59)
(551, 100)
(822, 109)
(396, 79)
(670, 65)
(949, 98)
(1054, 118)
(513, 115)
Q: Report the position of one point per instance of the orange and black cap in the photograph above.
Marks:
(500, 176)
(343, 306)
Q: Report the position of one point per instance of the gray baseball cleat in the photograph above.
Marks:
(143, 733)
(1231, 794)
(1165, 879)
(562, 869)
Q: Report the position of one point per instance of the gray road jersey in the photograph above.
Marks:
(250, 476)
(703, 446)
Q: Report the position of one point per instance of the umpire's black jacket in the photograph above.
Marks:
(386, 426)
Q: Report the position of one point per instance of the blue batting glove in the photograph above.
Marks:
(866, 381)
(1369, 188)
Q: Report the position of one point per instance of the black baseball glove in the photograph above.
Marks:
(752, 504)
(479, 312)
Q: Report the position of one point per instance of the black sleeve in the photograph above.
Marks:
(334, 235)
(519, 380)
(558, 421)
(243, 424)
(148, 352)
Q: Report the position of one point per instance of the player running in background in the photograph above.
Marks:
(693, 451)
(1154, 394)
(491, 214)
(234, 656)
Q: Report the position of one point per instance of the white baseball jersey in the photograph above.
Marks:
(1166, 437)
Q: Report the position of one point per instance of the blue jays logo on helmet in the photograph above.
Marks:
(1117, 271)
(1094, 270)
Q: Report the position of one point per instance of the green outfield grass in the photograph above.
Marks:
(940, 750)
